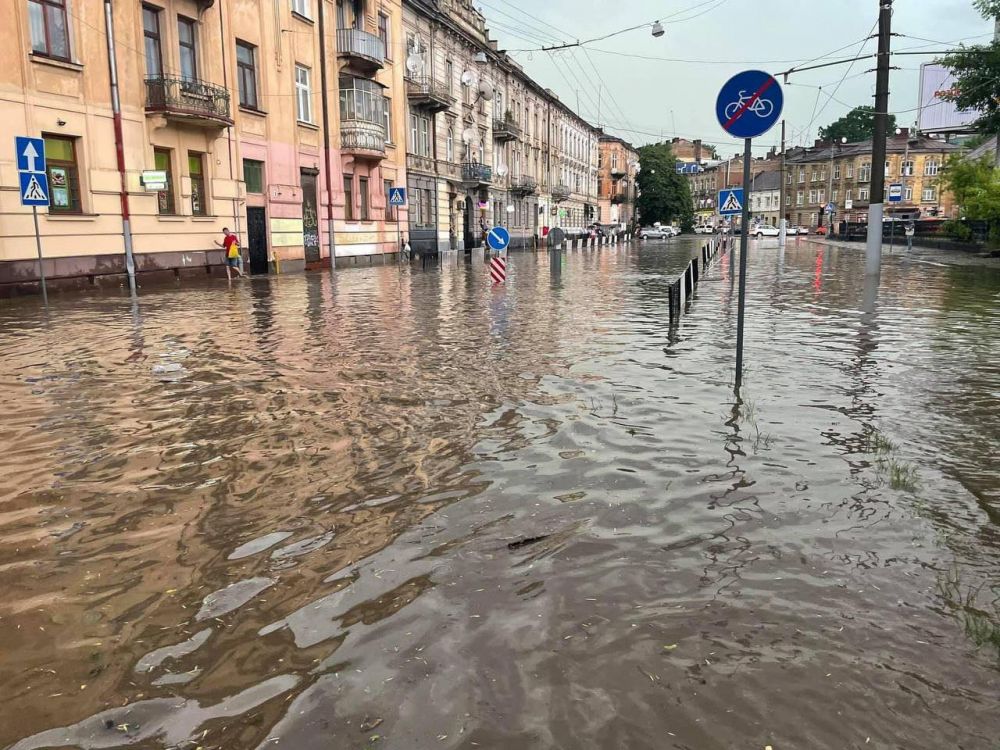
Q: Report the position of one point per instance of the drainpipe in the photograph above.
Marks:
(116, 109)
(229, 130)
(326, 138)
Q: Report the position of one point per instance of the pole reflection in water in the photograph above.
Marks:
(396, 502)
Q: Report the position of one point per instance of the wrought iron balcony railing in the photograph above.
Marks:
(560, 192)
(189, 99)
(505, 129)
(524, 185)
(362, 138)
(473, 171)
(361, 46)
(428, 93)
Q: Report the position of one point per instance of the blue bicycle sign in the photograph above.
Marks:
(749, 104)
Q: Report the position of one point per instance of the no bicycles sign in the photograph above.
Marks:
(749, 104)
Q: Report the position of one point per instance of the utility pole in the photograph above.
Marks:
(876, 206)
(781, 188)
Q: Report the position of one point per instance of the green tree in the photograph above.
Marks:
(977, 75)
(856, 125)
(664, 194)
(976, 187)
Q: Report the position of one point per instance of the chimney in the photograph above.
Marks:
(697, 151)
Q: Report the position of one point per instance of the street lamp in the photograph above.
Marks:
(657, 30)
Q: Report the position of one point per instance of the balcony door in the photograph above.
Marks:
(350, 14)
(188, 48)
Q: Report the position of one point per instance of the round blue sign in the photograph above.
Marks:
(749, 104)
(498, 239)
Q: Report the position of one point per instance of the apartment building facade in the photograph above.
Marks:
(229, 117)
(618, 165)
(841, 174)
(487, 144)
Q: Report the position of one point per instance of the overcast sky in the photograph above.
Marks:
(718, 38)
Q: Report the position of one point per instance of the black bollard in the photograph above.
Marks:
(694, 272)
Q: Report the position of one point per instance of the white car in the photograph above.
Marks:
(704, 229)
(764, 230)
(674, 231)
(790, 230)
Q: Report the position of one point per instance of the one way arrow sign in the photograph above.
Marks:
(30, 154)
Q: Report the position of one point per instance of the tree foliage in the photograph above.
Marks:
(977, 75)
(664, 194)
(976, 187)
(856, 125)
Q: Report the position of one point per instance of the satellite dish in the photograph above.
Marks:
(502, 170)
(414, 63)
(485, 90)
(469, 79)
(468, 136)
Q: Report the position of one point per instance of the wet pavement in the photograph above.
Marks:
(396, 508)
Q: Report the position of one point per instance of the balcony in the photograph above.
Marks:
(362, 140)
(618, 172)
(188, 100)
(560, 193)
(427, 93)
(475, 173)
(505, 130)
(363, 50)
(619, 198)
(523, 186)
(418, 163)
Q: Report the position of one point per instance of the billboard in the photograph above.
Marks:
(938, 115)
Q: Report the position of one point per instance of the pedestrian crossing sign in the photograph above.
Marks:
(397, 196)
(731, 202)
(34, 188)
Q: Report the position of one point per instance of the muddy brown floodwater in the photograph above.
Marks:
(398, 509)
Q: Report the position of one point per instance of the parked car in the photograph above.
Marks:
(764, 230)
(790, 230)
(704, 229)
(654, 233)
(674, 231)
(803, 230)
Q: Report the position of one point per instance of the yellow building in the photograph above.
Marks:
(229, 103)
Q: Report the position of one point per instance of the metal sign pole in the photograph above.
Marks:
(744, 234)
(38, 246)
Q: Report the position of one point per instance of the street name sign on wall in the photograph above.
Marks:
(749, 104)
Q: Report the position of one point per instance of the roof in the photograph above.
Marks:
(989, 148)
(896, 144)
(767, 181)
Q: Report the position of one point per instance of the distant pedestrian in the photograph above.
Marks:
(231, 244)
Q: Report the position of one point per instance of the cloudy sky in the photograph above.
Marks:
(707, 41)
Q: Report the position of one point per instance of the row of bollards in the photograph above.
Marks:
(681, 291)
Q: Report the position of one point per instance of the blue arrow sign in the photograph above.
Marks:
(34, 189)
(397, 196)
(498, 239)
(749, 104)
(731, 202)
(30, 153)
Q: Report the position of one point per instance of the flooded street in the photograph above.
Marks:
(396, 508)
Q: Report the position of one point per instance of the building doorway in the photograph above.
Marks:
(469, 224)
(257, 239)
(310, 216)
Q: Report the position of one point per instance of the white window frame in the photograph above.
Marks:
(929, 195)
(302, 8)
(799, 198)
(303, 94)
(865, 173)
(863, 194)
(908, 194)
(931, 168)
(450, 144)
(907, 169)
(850, 171)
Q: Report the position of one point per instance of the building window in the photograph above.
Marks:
(253, 175)
(166, 204)
(246, 74)
(196, 167)
(388, 119)
(303, 94)
(363, 195)
(420, 134)
(907, 170)
(64, 175)
(821, 198)
(802, 174)
(423, 201)
(929, 194)
(850, 171)
(49, 28)
(450, 144)
(151, 36)
(799, 198)
(865, 172)
(788, 178)
(862, 194)
(390, 210)
(302, 8)
(362, 99)
(383, 33)
(847, 194)
(449, 75)
(349, 197)
(815, 176)
(835, 196)
(908, 194)
(931, 168)
(836, 172)
(812, 196)
(188, 49)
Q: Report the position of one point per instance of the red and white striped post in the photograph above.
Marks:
(498, 270)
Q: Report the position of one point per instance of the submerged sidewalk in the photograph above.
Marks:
(924, 254)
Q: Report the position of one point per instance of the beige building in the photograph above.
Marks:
(229, 117)
(618, 165)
